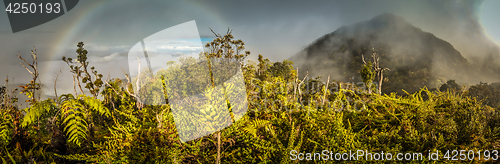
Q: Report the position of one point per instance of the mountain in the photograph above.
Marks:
(415, 58)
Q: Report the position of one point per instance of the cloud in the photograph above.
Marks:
(276, 30)
(104, 59)
(180, 48)
(110, 57)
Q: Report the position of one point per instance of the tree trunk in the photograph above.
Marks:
(218, 147)
(381, 78)
(369, 86)
(326, 88)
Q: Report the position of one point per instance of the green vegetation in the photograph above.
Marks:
(285, 113)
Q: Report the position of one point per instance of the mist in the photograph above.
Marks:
(415, 57)
(277, 30)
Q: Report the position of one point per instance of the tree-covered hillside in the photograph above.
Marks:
(416, 58)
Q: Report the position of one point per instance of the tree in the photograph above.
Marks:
(489, 94)
(30, 88)
(225, 47)
(450, 85)
(79, 68)
(367, 74)
(282, 69)
(78, 107)
(263, 65)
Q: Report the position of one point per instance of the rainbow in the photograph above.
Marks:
(91, 12)
(484, 16)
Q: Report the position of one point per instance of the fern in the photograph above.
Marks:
(79, 157)
(9, 157)
(76, 112)
(65, 97)
(36, 111)
(96, 105)
(75, 120)
(112, 149)
(254, 125)
(6, 126)
(132, 117)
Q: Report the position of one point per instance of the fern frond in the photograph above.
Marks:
(65, 97)
(254, 126)
(129, 116)
(10, 156)
(75, 114)
(36, 111)
(76, 126)
(96, 105)
(6, 127)
(79, 157)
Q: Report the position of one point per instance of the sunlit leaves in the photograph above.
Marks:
(76, 113)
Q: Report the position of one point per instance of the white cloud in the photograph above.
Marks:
(106, 58)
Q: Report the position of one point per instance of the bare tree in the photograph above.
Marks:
(33, 86)
(298, 86)
(379, 72)
(55, 86)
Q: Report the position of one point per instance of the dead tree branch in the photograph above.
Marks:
(55, 85)
(33, 86)
(377, 69)
(300, 92)
(326, 89)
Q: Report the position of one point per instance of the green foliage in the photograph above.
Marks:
(282, 69)
(76, 124)
(284, 114)
(34, 112)
(79, 68)
(76, 113)
(29, 89)
(367, 73)
(489, 94)
(450, 85)
(263, 66)
(226, 47)
(6, 127)
(254, 126)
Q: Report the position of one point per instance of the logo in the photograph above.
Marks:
(205, 94)
(26, 14)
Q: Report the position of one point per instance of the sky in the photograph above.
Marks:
(275, 29)
(489, 18)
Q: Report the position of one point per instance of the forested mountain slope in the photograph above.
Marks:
(416, 58)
